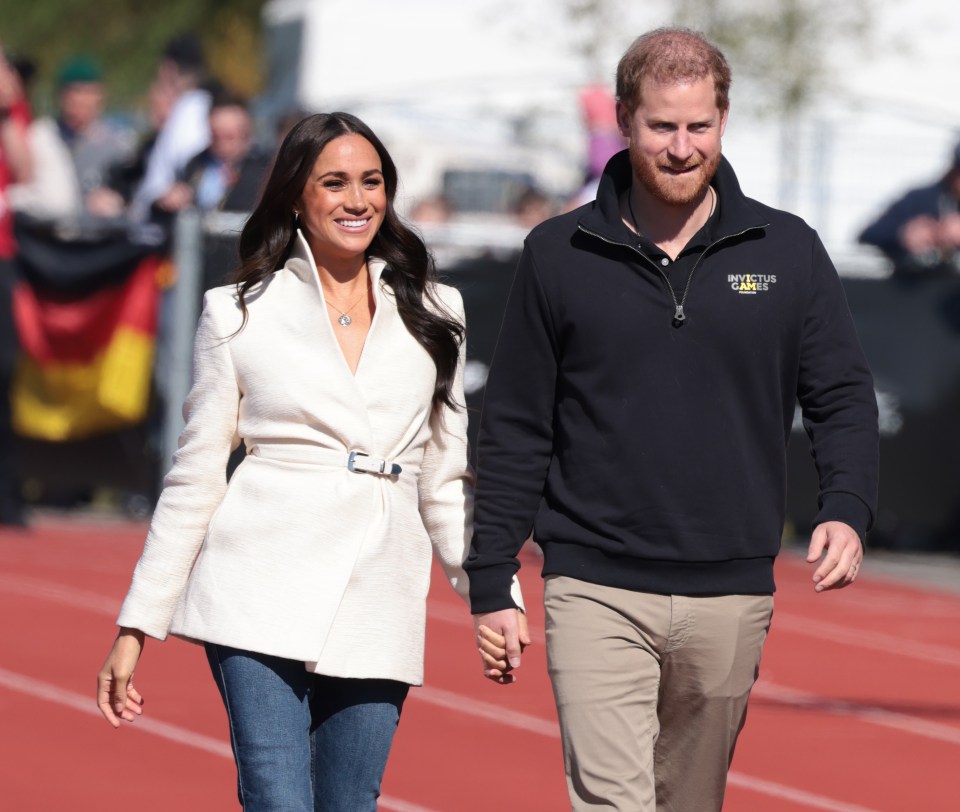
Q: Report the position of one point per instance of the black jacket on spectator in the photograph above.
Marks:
(933, 201)
(243, 194)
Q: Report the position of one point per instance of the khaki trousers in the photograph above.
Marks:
(651, 691)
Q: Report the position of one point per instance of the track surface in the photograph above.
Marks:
(857, 708)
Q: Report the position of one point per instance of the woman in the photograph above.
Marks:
(337, 358)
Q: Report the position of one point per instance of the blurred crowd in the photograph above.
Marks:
(78, 177)
(85, 170)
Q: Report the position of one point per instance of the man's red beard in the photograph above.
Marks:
(674, 190)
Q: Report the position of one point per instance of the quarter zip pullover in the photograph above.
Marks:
(652, 458)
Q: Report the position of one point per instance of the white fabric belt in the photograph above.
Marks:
(357, 461)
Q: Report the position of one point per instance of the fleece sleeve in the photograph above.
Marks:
(836, 394)
(515, 441)
(447, 481)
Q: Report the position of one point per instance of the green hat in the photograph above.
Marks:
(79, 69)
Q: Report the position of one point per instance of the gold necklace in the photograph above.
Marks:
(343, 319)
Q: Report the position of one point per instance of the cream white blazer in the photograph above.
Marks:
(299, 556)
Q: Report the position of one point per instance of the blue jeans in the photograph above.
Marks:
(305, 742)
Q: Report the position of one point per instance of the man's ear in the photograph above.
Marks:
(623, 119)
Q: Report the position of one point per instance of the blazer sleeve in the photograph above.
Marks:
(447, 479)
(195, 485)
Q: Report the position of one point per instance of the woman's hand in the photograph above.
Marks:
(501, 637)
(116, 696)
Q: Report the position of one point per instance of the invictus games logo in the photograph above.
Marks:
(751, 283)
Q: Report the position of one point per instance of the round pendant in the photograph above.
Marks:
(344, 320)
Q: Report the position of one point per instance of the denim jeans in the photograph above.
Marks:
(305, 742)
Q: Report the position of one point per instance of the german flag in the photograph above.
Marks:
(87, 348)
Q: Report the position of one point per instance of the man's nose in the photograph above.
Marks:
(681, 145)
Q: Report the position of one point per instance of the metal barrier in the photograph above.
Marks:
(191, 232)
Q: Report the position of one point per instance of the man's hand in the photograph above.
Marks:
(844, 555)
(177, 197)
(501, 637)
(919, 235)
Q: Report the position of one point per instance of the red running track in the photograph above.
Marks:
(857, 708)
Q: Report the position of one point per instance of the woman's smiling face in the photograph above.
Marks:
(344, 200)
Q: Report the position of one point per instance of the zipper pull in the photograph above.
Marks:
(679, 317)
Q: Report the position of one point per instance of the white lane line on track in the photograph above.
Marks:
(488, 711)
(531, 724)
(839, 707)
(891, 719)
(922, 606)
(492, 713)
(795, 624)
(98, 604)
(457, 615)
(86, 704)
(58, 593)
(82, 599)
(179, 735)
(460, 616)
(797, 796)
(875, 641)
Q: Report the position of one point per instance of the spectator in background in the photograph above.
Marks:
(921, 230)
(74, 152)
(126, 176)
(434, 209)
(227, 175)
(15, 165)
(186, 131)
(603, 140)
(532, 207)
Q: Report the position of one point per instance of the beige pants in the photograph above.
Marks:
(651, 691)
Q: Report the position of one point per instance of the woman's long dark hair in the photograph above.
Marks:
(267, 239)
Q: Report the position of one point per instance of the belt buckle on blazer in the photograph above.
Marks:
(381, 467)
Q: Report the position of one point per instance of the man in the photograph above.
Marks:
(181, 73)
(75, 151)
(921, 230)
(636, 418)
(228, 174)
